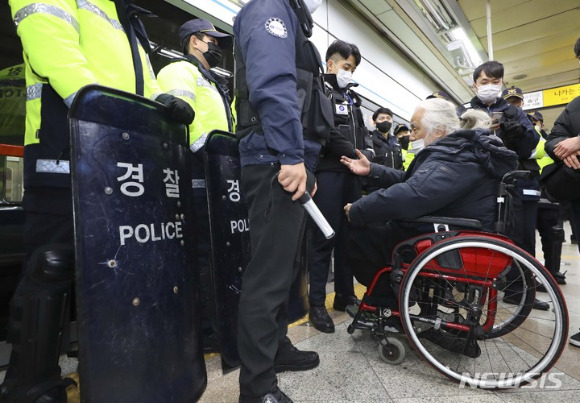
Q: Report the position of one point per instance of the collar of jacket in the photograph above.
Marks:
(381, 136)
(499, 104)
(221, 82)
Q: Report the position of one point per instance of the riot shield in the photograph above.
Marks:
(230, 243)
(136, 290)
(230, 237)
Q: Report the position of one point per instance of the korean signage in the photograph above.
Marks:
(551, 97)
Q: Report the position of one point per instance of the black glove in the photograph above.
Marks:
(513, 131)
(179, 110)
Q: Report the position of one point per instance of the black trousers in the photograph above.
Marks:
(277, 227)
(335, 190)
(551, 238)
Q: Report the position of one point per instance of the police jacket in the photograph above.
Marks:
(523, 140)
(279, 64)
(349, 131)
(566, 125)
(69, 44)
(387, 150)
(456, 176)
(204, 92)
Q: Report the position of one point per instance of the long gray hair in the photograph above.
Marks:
(438, 115)
(475, 119)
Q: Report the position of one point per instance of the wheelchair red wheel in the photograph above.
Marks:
(459, 323)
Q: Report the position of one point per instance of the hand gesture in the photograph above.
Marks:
(361, 167)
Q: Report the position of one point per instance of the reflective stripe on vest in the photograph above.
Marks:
(182, 93)
(33, 91)
(85, 5)
(53, 166)
(35, 8)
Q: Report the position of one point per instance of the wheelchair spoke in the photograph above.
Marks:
(461, 324)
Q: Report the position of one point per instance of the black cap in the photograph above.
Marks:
(440, 95)
(512, 92)
(536, 116)
(200, 25)
(400, 128)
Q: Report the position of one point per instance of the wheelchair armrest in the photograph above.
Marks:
(459, 222)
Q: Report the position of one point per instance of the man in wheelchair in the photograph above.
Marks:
(456, 174)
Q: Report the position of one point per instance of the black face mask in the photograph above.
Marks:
(384, 127)
(213, 55)
(404, 142)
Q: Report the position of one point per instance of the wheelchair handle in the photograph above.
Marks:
(513, 175)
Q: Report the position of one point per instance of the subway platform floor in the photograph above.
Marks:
(350, 369)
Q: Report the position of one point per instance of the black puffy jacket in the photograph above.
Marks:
(567, 125)
(456, 176)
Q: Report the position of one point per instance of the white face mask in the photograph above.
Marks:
(417, 145)
(488, 93)
(343, 78)
(312, 5)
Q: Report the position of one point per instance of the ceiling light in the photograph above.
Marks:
(467, 46)
(436, 13)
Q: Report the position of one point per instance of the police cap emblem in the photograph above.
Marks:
(276, 27)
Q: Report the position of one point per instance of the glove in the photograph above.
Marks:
(179, 110)
(513, 131)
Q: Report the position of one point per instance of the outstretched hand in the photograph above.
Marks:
(361, 167)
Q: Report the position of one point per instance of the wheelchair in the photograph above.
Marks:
(450, 286)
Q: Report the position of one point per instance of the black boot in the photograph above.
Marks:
(275, 396)
(289, 358)
(320, 319)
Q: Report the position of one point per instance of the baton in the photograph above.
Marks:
(316, 215)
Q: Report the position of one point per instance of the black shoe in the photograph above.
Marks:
(276, 396)
(559, 277)
(575, 339)
(341, 302)
(516, 299)
(320, 319)
(289, 358)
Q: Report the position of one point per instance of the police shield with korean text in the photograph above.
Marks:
(137, 292)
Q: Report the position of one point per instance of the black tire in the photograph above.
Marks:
(450, 360)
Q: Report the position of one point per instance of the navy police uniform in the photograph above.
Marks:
(337, 186)
(276, 93)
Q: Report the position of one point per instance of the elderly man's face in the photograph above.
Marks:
(417, 130)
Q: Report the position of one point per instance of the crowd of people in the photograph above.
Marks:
(446, 162)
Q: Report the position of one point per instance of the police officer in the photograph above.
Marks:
(336, 185)
(207, 93)
(280, 141)
(514, 96)
(57, 65)
(386, 145)
(403, 135)
(517, 133)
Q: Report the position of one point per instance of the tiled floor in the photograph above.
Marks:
(350, 369)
